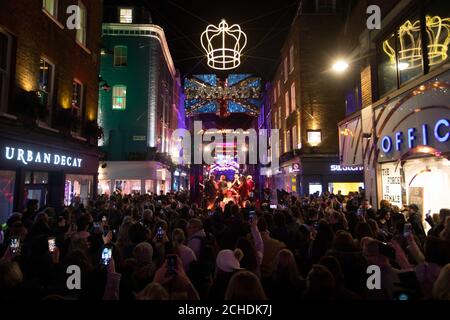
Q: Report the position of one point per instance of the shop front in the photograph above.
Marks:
(128, 177)
(413, 147)
(309, 175)
(51, 174)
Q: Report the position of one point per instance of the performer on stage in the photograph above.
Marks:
(230, 195)
(243, 191)
(222, 187)
(210, 192)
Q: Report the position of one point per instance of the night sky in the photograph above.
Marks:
(266, 24)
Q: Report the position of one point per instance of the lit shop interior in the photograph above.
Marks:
(424, 182)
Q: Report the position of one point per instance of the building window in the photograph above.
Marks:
(438, 19)
(51, 6)
(285, 69)
(314, 137)
(287, 138)
(294, 137)
(279, 119)
(291, 59)
(287, 106)
(81, 32)
(275, 119)
(274, 94)
(279, 88)
(77, 101)
(120, 56)
(119, 98)
(126, 15)
(293, 102)
(46, 79)
(326, 6)
(409, 50)
(5, 68)
(400, 57)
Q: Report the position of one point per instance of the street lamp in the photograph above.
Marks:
(340, 66)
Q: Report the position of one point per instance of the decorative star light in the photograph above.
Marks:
(223, 45)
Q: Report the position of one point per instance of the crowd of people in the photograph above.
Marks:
(162, 247)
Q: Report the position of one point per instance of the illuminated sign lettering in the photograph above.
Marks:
(441, 134)
(338, 168)
(26, 157)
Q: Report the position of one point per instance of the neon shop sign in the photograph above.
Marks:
(26, 157)
(440, 132)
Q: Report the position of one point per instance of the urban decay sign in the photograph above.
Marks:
(28, 156)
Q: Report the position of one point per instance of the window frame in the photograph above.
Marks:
(122, 57)
(83, 25)
(291, 59)
(314, 144)
(123, 97)
(287, 142)
(120, 14)
(80, 107)
(285, 69)
(287, 103)
(56, 8)
(294, 137)
(293, 98)
(51, 91)
(6, 73)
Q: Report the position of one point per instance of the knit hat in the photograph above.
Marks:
(227, 260)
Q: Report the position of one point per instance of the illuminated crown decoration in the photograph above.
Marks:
(223, 45)
(410, 44)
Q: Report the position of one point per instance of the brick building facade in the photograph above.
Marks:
(49, 95)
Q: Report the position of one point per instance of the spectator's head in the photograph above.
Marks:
(10, 276)
(245, 285)
(32, 205)
(372, 252)
(363, 230)
(153, 291)
(143, 253)
(441, 288)
(333, 265)
(147, 215)
(443, 214)
(194, 226)
(262, 224)
(178, 236)
(83, 222)
(343, 241)
(249, 261)
(445, 234)
(286, 266)
(320, 283)
(437, 251)
(137, 233)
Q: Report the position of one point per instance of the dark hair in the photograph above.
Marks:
(245, 285)
(333, 265)
(437, 251)
(320, 283)
(262, 224)
(137, 233)
(249, 261)
(362, 230)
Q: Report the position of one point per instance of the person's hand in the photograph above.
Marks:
(55, 255)
(254, 223)
(161, 275)
(9, 255)
(111, 267)
(108, 238)
(181, 275)
(400, 256)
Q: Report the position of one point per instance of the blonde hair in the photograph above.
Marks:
(153, 291)
(245, 285)
(441, 288)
